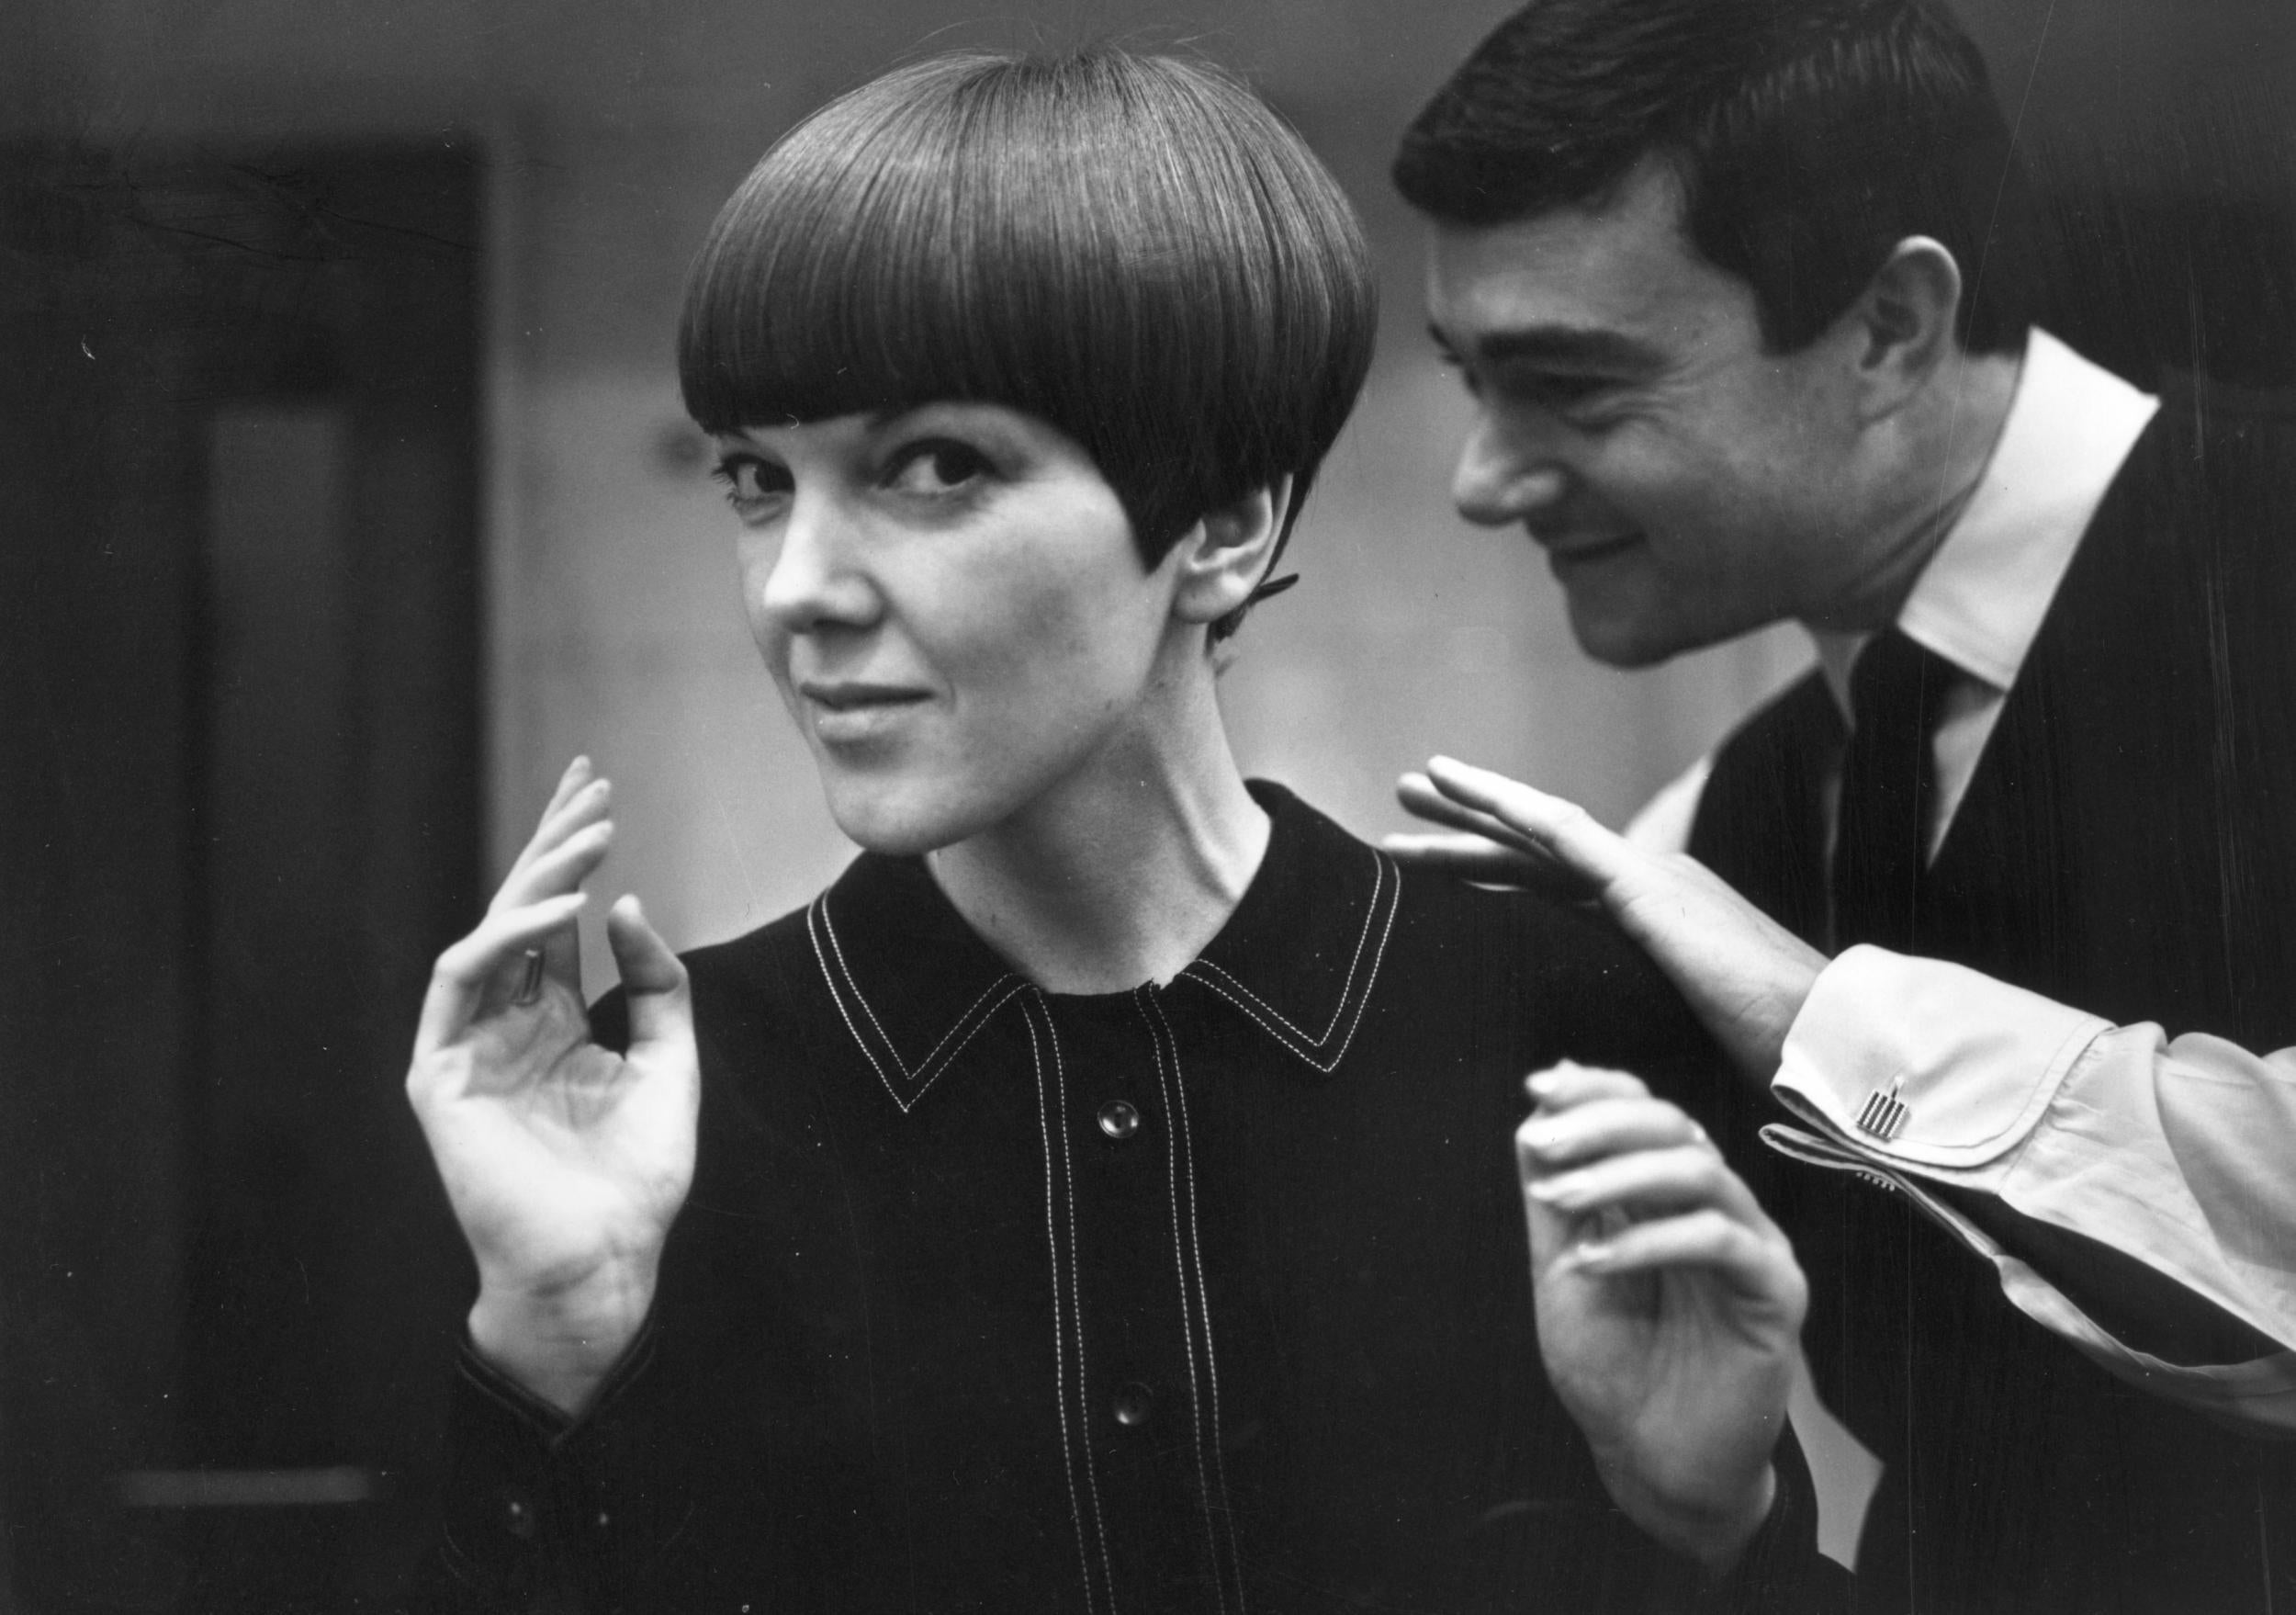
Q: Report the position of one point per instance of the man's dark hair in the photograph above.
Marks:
(1809, 136)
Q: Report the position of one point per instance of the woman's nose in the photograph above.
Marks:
(816, 580)
(1506, 474)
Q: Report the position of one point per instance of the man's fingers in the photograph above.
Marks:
(660, 1005)
(459, 980)
(1467, 856)
(1422, 798)
(1563, 831)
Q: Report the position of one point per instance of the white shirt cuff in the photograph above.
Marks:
(1973, 1061)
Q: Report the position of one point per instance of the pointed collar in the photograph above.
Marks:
(914, 987)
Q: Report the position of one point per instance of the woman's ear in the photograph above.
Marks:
(1226, 555)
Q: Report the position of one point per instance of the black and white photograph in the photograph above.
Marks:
(1219, 807)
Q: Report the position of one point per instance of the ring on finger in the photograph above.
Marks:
(530, 979)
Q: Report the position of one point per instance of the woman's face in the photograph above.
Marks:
(950, 600)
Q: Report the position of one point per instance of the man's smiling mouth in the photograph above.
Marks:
(1583, 552)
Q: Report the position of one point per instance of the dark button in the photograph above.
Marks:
(1118, 1119)
(518, 1516)
(1134, 1402)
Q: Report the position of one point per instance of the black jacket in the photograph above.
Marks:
(2128, 844)
(1206, 1297)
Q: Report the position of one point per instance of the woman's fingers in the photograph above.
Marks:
(555, 872)
(660, 1006)
(562, 869)
(1567, 1084)
(576, 775)
(1752, 1262)
(1601, 1158)
(580, 800)
(463, 972)
(1599, 1128)
(1646, 1181)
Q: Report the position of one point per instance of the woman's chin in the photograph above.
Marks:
(898, 826)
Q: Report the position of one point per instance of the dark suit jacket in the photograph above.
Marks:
(942, 1328)
(2128, 844)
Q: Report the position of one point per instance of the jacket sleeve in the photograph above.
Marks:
(1782, 1570)
(1780, 1573)
(546, 1513)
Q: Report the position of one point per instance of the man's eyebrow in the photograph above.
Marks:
(1556, 344)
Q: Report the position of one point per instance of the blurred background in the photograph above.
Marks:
(344, 495)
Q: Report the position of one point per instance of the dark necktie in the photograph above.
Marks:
(1888, 791)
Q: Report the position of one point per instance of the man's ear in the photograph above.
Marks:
(1226, 556)
(1903, 323)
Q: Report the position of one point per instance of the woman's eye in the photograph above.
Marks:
(937, 467)
(751, 481)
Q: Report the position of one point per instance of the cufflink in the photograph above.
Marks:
(1884, 1114)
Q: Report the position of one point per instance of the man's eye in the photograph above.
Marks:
(937, 466)
(1562, 392)
(751, 481)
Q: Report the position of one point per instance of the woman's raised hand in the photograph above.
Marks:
(566, 1163)
(1670, 1306)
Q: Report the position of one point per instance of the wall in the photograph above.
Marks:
(614, 131)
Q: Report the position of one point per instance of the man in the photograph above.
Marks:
(2165, 1160)
(1739, 288)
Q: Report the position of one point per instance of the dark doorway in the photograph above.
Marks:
(240, 739)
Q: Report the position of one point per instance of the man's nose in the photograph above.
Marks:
(817, 579)
(1506, 473)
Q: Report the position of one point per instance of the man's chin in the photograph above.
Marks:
(1619, 643)
(1616, 635)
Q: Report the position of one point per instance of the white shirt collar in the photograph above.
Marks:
(1980, 601)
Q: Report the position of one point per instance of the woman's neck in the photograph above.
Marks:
(1125, 870)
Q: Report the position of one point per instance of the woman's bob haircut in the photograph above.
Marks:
(1133, 249)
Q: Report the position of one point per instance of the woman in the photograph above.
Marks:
(1099, 1196)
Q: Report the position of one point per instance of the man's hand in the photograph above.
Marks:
(1670, 1306)
(565, 1163)
(1744, 974)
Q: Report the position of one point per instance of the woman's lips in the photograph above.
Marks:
(847, 712)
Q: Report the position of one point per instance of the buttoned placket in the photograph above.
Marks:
(1145, 1357)
(1135, 1339)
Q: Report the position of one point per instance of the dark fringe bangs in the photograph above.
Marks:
(1134, 250)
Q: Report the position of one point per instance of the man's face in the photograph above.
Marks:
(1687, 486)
